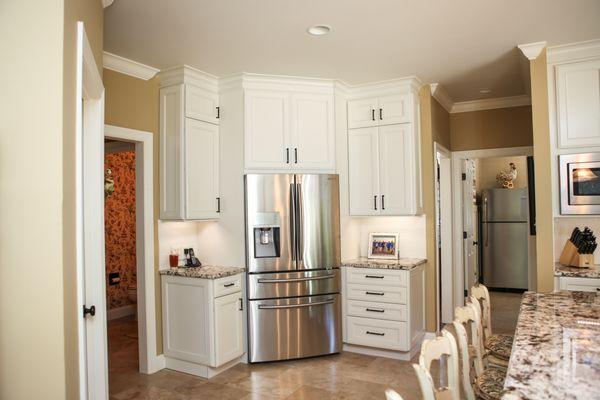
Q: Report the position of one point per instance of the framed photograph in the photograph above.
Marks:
(383, 246)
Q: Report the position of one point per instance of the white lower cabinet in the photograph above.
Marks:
(384, 311)
(578, 284)
(202, 323)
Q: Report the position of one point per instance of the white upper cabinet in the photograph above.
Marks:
(376, 111)
(311, 133)
(267, 120)
(363, 173)
(189, 146)
(201, 170)
(289, 130)
(396, 169)
(202, 104)
(578, 103)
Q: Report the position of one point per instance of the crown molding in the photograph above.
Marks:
(439, 93)
(186, 74)
(532, 50)
(574, 51)
(127, 66)
(490, 104)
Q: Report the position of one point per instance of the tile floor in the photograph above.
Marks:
(343, 376)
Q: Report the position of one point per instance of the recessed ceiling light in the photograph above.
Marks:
(319, 30)
(485, 91)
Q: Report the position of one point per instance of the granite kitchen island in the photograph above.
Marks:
(556, 350)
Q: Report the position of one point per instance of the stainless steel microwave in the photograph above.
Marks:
(580, 183)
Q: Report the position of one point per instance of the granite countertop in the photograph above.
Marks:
(402, 263)
(574, 272)
(556, 349)
(204, 272)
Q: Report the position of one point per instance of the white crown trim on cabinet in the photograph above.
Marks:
(127, 66)
(439, 93)
(574, 51)
(490, 104)
(532, 50)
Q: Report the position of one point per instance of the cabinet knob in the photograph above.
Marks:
(91, 311)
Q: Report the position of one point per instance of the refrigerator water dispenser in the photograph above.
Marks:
(266, 235)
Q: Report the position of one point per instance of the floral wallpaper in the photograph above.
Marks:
(119, 221)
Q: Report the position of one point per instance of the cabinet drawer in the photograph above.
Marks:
(580, 284)
(368, 309)
(390, 335)
(379, 277)
(227, 285)
(375, 293)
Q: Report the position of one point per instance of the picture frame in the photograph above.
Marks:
(383, 246)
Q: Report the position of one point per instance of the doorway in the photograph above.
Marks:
(443, 233)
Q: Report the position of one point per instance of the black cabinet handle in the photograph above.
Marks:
(383, 201)
(375, 293)
(229, 284)
(218, 204)
(375, 333)
(287, 155)
(241, 305)
(218, 112)
(374, 276)
(379, 310)
(91, 311)
(375, 202)
(381, 113)
(295, 155)
(373, 114)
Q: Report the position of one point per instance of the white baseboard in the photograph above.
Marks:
(200, 370)
(121, 312)
(375, 352)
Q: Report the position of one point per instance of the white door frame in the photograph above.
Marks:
(89, 209)
(444, 199)
(150, 362)
(457, 158)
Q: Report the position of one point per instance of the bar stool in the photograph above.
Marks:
(498, 346)
(391, 394)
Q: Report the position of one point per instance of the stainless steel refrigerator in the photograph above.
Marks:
(293, 259)
(505, 236)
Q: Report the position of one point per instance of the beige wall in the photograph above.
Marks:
(491, 129)
(440, 124)
(134, 103)
(428, 202)
(543, 174)
(489, 167)
(38, 333)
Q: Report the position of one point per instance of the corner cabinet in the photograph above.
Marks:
(384, 160)
(189, 151)
(203, 329)
(289, 130)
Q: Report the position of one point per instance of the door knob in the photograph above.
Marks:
(91, 311)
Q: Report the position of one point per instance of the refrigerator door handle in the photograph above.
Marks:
(293, 220)
(299, 223)
(486, 232)
(304, 279)
(316, 303)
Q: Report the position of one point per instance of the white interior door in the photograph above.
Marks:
(363, 171)
(469, 223)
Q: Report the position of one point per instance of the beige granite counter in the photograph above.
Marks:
(204, 272)
(574, 272)
(556, 348)
(402, 263)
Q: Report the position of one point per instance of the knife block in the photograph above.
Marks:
(571, 258)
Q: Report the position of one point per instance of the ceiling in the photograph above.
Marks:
(466, 45)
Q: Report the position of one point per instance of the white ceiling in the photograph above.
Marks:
(466, 45)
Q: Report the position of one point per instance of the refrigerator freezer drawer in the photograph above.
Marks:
(390, 335)
(301, 327)
(293, 284)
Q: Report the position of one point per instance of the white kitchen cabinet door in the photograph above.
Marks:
(201, 170)
(362, 113)
(363, 171)
(229, 342)
(171, 153)
(578, 104)
(201, 104)
(396, 175)
(394, 109)
(267, 133)
(187, 319)
(313, 132)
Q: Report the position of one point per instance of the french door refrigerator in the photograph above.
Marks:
(293, 260)
(505, 234)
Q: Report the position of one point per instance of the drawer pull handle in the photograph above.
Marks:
(375, 333)
(375, 293)
(376, 310)
(229, 284)
(598, 289)
(374, 276)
